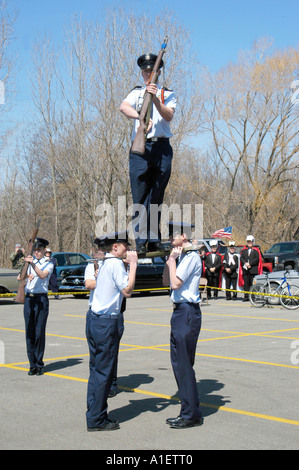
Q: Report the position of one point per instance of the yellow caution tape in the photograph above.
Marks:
(166, 288)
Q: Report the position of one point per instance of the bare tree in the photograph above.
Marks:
(45, 99)
(254, 130)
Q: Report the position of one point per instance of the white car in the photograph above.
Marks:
(8, 280)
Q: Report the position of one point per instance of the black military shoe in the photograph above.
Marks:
(173, 420)
(187, 423)
(108, 425)
(39, 371)
(32, 371)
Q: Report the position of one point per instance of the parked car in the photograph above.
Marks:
(148, 276)
(8, 280)
(67, 260)
(283, 255)
(206, 244)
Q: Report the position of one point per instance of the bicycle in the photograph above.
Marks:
(261, 294)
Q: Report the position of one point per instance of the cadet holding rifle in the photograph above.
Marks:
(36, 304)
(150, 166)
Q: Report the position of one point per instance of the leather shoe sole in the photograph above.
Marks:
(186, 423)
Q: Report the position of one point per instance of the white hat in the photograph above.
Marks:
(213, 243)
(232, 243)
(249, 238)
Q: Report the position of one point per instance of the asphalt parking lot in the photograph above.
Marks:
(247, 366)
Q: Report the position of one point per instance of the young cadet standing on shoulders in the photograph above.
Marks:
(36, 306)
(150, 173)
(183, 271)
(102, 329)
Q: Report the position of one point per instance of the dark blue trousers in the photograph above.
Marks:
(121, 328)
(36, 310)
(185, 329)
(103, 342)
(149, 176)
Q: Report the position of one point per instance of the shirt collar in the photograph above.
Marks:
(40, 261)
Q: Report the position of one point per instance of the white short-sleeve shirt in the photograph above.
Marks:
(160, 127)
(111, 280)
(38, 285)
(189, 271)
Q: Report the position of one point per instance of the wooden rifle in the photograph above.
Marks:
(138, 146)
(152, 254)
(20, 297)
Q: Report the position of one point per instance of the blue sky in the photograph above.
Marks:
(219, 29)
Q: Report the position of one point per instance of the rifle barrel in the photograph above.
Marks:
(20, 297)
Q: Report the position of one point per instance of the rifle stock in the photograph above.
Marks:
(20, 297)
(138, 145)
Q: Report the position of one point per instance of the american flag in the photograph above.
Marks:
(223, 233)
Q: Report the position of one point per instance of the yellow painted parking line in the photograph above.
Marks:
(231, 315)
(11, 329)
(217, 407)
(47, 334)
(135, 347)
(175, 398)
(163, 348)
(253, 361)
